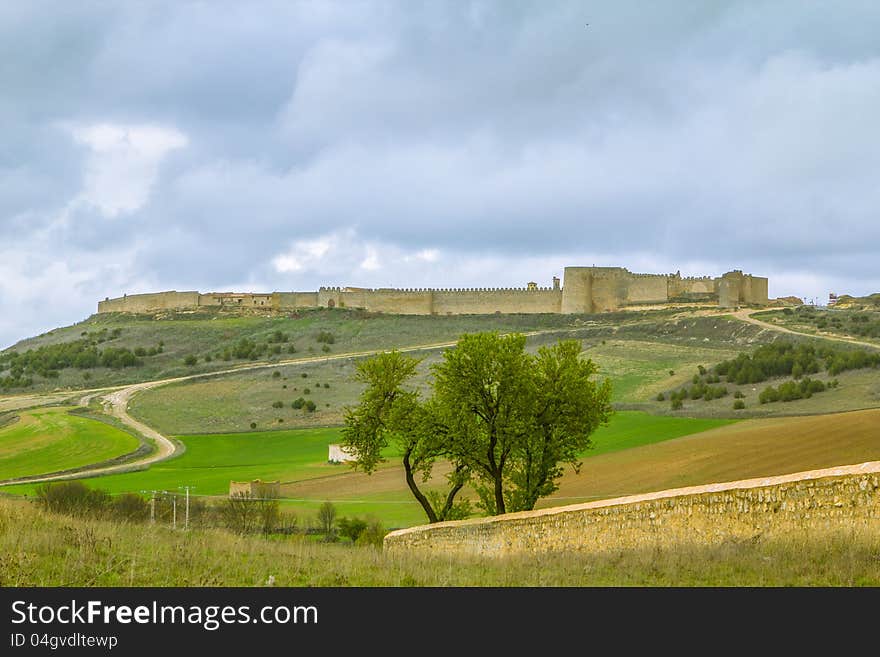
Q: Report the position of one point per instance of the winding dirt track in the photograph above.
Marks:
(116, 401)
(745, 315)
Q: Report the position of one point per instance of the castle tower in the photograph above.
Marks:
(577, 290)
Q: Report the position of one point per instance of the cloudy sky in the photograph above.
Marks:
(282, 146)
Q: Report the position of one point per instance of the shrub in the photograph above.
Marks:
(253, 425)
(307, 391)
(661, 396)
(276, 374)
(325, 336)
(130, 507)
(311, 406)
(298, 403)
(325, 349)
(738, 394)
(326, 385)
(372, 535)
(304, 375)
(768, 394)
(278, 404)
(351, 528)
(738, 405)
(677, 404)
(72, 497)
(190, 360)
(277, 336)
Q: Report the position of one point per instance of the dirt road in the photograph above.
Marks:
(116, 403)
(745, 315)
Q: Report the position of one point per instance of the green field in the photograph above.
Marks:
(297, 457)
(51, 439)
(204, 334)
(638, 369)
(629, 429)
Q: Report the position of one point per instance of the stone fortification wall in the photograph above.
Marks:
(485, 301)
(251, 300)
(758, 290)
(585, 290)
(646, 288)
(139, 303)
(696, 287)
(835, 497)
(577, 290)
(444, 302)
(296, 299)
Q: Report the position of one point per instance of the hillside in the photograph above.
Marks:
(116, 348)
(871, 301)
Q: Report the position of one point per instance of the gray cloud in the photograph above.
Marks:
(473, 143)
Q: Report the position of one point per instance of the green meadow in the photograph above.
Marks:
(51, 439)
(299, 456)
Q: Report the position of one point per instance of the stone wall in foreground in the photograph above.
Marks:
(845, 496)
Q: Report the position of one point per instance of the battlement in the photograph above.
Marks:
(441, 290)
(584, 290)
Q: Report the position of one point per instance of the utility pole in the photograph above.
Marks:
(186, 517)
(174, 512)
(153, 508)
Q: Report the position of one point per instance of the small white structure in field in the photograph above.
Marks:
(340, 455)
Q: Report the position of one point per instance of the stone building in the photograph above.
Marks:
(583, 290)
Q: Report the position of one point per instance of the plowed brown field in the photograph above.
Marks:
(753, 448)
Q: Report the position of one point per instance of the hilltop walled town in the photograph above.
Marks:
(583, 290)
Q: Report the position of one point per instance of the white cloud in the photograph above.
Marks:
(123, 163)
(303, 254)
(371, 262)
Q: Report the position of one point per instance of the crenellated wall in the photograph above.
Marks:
(137, 303)
(585, 290)
(835, 497)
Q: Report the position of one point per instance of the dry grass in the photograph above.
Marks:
(40, 549)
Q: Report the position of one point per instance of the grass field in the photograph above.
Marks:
(298, 458)
(638, 369)
(51, 439)
(101, 553)
(857, 390)
(202, 334)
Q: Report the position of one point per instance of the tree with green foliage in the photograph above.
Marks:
(506, 420)
(351, 528)
(389, 414)
(326, 517)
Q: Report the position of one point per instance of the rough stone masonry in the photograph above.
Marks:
(584, 290)
(842, 497)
